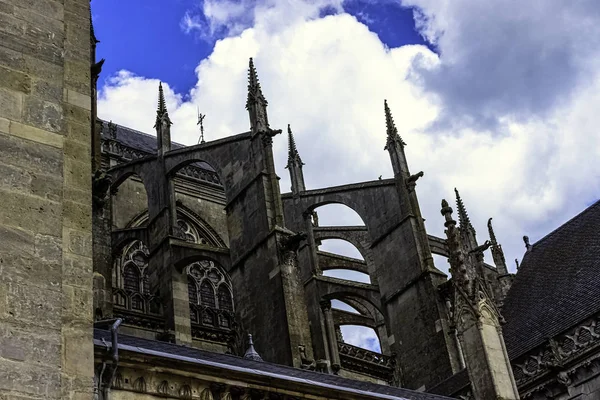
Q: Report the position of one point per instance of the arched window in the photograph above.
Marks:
(225, 300)
(209, 293)
(131, 284)
(131, 279)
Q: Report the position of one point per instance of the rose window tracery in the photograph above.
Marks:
(210, 295)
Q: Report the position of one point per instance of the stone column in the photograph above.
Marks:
(334, 356)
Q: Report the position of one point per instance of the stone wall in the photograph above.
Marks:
(45, 191)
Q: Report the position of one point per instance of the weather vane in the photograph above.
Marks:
(200, 120)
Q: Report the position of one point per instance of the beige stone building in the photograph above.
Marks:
(132, 267)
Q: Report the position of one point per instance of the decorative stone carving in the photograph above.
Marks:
(139, 385)
(163, 387)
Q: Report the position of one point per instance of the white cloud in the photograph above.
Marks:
(517, 136)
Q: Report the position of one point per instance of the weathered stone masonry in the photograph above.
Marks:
(45, 186)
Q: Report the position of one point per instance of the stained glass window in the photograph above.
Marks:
(225, 301)
(131, 279)
(207, 295)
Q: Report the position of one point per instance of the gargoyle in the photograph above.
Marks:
(101, 182)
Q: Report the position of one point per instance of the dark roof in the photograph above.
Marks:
(557, 285)
(452, 385)
(284, 371)
(141, 141)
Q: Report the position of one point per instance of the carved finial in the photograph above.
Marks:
(161, 111)
(112, 130)
(517, 263)
(447, 213)
(491, 231)
(251, 353)
(526, 241)
(254, 91)
(392, 131)
(463, 217)
(293, 155)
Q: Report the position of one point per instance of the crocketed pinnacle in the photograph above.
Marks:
(463, 217)
(392, 131)
(491, 231)
(254, 91)
(161, 111)
(293, 155)
(251, 353)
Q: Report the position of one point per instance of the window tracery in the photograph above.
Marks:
(131, 289)
(210, 295)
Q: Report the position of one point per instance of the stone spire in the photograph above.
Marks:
(392, 131)
(395, 146)
(463, 217)
(466, 228)
(251, 353)
(293, 155)
(163, 123)
(294, 165)
(504, 278)
(256, 104)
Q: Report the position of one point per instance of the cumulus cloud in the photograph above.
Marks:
(223, 18)
(502, 59)
(507, 112)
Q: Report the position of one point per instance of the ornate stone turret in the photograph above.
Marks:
(163, 123)
(294, 165)
(475, 315)
(256, 104)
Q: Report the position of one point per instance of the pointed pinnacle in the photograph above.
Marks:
(251, 353)
(392, 131)
(162, 104)
(293, 154)
(463, 217)
(491, 231)
(161, 110)
(254, 90)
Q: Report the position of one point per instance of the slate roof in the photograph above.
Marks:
(142, 141)
(285, 371)
(557, 285)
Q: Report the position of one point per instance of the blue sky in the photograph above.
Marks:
(145, 36)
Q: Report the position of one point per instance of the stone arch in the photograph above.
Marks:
(225, 156)
(122, 172)
(347, 274)
(337, 247)
(131, 196)
(203, 227)
(345, 217)
(376, 203)
(365, 303)
(358, 239)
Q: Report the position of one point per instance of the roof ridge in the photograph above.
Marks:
(569, 221)
(148, 135)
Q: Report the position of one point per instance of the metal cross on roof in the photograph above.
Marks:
(200, 120)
